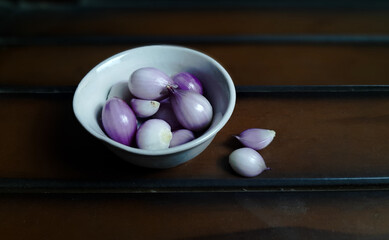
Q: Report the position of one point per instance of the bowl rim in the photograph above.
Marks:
(187, 146)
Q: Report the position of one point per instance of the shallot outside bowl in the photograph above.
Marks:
(91, 95)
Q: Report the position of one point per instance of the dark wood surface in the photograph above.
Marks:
(329, 160)
(248, 64)
(341, 135)
(314, 215)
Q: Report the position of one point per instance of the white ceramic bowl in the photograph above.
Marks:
(93, 89)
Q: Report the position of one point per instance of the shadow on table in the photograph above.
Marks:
(293, 233)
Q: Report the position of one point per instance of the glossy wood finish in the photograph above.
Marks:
(248, 64)
(57, 182)
(276, 216)
(317, 136)
(167, 22)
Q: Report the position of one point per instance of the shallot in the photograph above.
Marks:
(165, 112)
(144, 108)
(154, 134)
(192, 109)
(181, 136)
(247, 162)
(119, 121)
(149, 83)
(256, 138)
(187, 81)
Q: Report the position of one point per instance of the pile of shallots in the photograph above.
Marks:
(162, 111)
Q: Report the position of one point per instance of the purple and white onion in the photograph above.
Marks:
(193, 110)
(247, 162)
(256, 138)
(154, 134)
(119, 121)
(149, 83)
(187, 81)
(181, 136)
(182, 109)
(165, 112)
(144, 108)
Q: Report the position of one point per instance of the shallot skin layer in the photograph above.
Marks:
(187, 81)
(181, 136)
(119, 121)
(149, 83)
(154, 134)
(247, 162)
(193, 110)
(256, 138)
(144, 108)
(165, 112)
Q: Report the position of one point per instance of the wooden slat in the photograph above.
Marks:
(362, 40)
(317, 136)
(248, 64)
(247, 89)
(280, 216)
(194, 22)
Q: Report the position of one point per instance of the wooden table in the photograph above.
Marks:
(318, 76)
